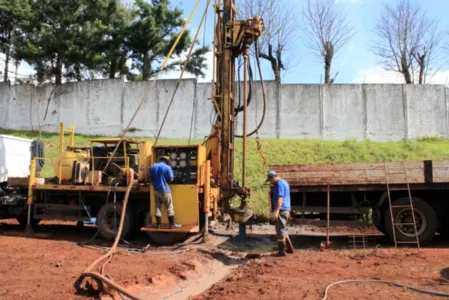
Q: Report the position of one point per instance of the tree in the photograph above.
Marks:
(12, 13)
(327, 31)
(278, 36)
(53, 37)
(152, 33)
(107, 51)
(407, 40)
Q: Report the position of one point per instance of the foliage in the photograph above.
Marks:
(101, 38)
(12, 13)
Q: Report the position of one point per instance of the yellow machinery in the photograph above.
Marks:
(90, 182)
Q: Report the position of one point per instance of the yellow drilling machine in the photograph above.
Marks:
(90, 182)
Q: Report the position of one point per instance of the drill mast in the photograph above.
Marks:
(232, 38)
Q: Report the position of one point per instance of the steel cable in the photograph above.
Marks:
(182, 72)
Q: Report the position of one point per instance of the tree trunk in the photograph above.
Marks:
(327, 71)
(8, 52)
(113, 69)
(146, 67)
(328, 56)
(407, 76)
(421, 75)
(405, 70)
(58, 74)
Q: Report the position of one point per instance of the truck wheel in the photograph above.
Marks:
(105, 221)
(23, 219)
(425, 216)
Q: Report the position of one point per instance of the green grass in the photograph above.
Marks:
(287, 152)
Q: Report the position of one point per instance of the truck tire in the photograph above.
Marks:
(23, 219)
(426, 221)
(105, 221)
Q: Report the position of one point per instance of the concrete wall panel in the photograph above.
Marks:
(336, 112)
(385, 112)
(343, 112)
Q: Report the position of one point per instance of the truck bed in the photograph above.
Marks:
(346, 174)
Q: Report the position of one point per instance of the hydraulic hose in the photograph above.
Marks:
(239, 109)
(100, 276)
(263, 93)
(432, 293)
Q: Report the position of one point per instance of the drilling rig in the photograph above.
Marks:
(87, 178)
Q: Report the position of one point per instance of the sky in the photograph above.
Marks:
(354, 64)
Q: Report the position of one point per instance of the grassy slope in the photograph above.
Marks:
(289, 152)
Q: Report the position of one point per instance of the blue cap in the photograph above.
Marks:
(270, 175)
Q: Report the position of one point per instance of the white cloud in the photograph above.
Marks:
(379, 75)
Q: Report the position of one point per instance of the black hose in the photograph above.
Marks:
(239, 109)
(263, 93)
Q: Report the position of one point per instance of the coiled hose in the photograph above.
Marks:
(100, 277)
(433, 293)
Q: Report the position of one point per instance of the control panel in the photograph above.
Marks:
(183, 161)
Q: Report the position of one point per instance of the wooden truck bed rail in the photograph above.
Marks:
(347, 174)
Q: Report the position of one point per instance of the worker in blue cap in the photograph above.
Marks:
(280, 208)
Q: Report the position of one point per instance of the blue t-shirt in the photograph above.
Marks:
(281, 189)
(160, 175)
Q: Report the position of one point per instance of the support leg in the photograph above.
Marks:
(242, 232)
(28, 228)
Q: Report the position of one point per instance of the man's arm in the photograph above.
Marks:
(170, 174)
(280, 194)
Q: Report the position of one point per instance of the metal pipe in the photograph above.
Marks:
(245, 104)
(328, 211)
(206, 224)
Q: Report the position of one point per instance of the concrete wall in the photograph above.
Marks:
(379, 112)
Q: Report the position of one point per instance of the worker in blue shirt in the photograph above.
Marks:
(160, 175)
(280, 207)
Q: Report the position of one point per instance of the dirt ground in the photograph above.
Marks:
(46, 264)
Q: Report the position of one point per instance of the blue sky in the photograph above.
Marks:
(355, 63)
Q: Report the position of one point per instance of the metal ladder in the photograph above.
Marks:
(393, 224)
(359, 241)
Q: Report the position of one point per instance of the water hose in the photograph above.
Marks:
(100, 277)
(433, 293)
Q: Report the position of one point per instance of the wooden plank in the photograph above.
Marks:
(348, 166)
(295, 221)
(18, 182)
(165, 228)
(354, 174)
(352, 180)
(61, 207)
(440, 174)
(98, 188)
(61, 217)
(333, 210)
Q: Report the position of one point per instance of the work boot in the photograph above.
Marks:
(158, 222)
(171, 220)
(281, 248)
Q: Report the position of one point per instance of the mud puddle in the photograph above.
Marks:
(190, 278)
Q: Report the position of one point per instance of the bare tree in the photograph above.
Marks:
(327, 32)
(408, 41)
(279, 33)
